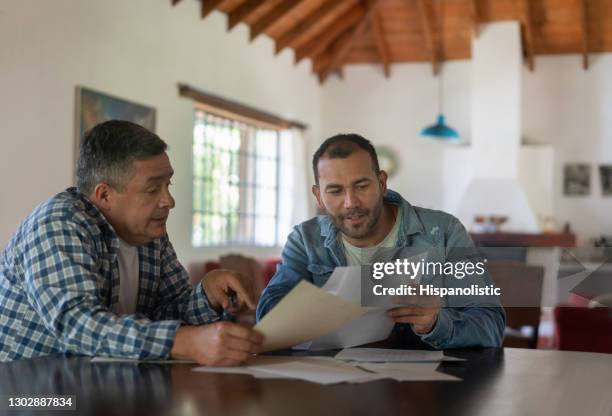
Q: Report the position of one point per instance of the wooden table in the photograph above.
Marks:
(495, 382)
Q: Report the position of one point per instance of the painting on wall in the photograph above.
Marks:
(605, 176)
(577, 179)
(94, 107)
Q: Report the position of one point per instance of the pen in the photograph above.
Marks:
(227, 316)
(232, 298)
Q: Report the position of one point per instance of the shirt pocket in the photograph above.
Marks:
(320, 273)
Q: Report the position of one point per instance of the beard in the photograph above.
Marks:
(363, 229)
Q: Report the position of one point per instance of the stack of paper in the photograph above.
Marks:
(327, 370)
(321, 370)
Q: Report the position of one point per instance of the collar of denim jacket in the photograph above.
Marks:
(411, 222)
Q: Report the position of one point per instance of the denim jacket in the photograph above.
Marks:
(314, 249)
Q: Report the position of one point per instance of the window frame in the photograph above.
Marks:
(245, 185)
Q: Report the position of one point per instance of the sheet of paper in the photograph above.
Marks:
(327, 370)
(372, 326)
(318, 372)
(130, 360)
(346, 283)
(409, 371)
(306, 313)
(382, 355)
(321, 370)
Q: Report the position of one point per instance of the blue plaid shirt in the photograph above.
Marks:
(59, 281)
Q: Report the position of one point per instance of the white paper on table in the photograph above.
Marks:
(383, 355)
(134, 360)
(321, 370)
(327, 370)
(409, 371)
(306, 313)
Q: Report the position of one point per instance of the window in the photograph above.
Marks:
(236, 169)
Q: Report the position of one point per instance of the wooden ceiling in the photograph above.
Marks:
(336, 33)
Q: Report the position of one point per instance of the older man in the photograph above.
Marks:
(362, 214)
(92, 271)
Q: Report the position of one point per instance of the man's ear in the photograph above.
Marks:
(382, 179)
(102, 195)
(316, 191)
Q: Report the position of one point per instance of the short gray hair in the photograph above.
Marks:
(108, 153)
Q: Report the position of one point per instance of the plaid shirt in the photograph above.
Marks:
(59, 280)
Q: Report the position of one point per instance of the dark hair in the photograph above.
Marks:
(341, 146)
(109, 150)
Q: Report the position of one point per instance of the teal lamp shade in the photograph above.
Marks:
(440, 131)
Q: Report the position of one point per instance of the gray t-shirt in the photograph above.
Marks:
(128, 279)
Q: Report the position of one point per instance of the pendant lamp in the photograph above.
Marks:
(439, 130)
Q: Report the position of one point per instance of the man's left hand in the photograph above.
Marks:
(219, 284)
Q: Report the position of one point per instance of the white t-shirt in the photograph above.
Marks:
(356, 256)
(128, 278)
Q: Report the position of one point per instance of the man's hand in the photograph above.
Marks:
(220, 344)
(422, 316)
(218, 284)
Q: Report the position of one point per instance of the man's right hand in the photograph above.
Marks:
(218, 344)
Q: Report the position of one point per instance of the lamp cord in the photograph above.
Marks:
(438, 52)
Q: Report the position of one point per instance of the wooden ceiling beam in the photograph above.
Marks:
(243, 12)
(341, 49)
(323, 60)
(207, 6)
(428, 33)
(323, 69)
(305, 26)
(383, 51)
(584, 29)
(527, 21)
(274, 15)
(320, 42)
(473, 5)
(320, 62)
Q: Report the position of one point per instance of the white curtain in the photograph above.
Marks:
(293, 185)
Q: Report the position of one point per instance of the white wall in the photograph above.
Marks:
(140, 50)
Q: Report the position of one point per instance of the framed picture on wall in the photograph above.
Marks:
(605, 176)
(94, 107)
(577, 179)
